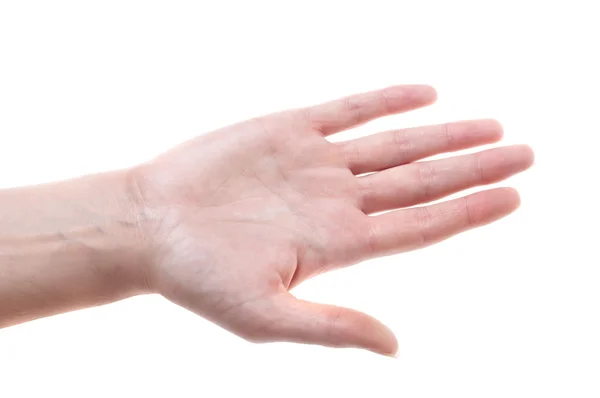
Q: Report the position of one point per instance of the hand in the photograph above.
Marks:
(240, 216)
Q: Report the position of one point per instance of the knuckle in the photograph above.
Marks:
(470, 219)
(371, 238)
(334, 317)
(354, 110)
(305, 114)
(426, 177)
(365, 191)
(350, 152)
(423, 218)
(447, 133)
(479, 172)
(385, 100)
(400, 139)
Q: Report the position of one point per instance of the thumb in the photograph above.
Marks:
(310, 323)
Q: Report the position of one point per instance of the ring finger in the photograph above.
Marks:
(393, 148)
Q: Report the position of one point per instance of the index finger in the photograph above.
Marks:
(344, 113)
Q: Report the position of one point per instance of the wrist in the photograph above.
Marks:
(97, 219)
(104, 227)
(129, 245)
(70, 245)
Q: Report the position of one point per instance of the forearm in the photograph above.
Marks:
(68, 245)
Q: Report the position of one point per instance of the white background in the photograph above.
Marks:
(509, 310)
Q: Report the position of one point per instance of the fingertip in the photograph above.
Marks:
(394, 352)
(522, 157)
(470, 133)
(502, 162)
(507, 199)
(387, 342)
(528, 154)
(493, 128)
(394, 355)
(491, 205)
(368, 333)
(424, 92)
(419, 94)
(481, 131)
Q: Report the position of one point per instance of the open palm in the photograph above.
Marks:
(240, 216)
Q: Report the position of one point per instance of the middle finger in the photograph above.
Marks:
(422, 182)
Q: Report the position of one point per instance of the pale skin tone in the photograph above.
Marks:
(228, 223)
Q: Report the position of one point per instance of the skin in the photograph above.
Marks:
(228, 223)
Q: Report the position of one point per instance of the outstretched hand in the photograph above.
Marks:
(240, 216)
